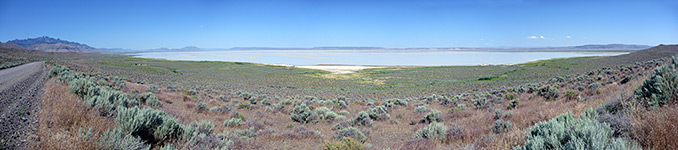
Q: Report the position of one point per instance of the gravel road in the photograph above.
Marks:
(20, 93)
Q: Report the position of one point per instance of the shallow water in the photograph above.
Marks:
(368, 57)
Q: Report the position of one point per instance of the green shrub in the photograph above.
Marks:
(116, 139)
(192, 92)
(571, 94)
(341, 125)
(434, 130)
(286, 102)
(345, 144)
(266, 102)
(350, 132)
(498, 114)
(85, 134)
(566, 132)
(85, 86)
(511, 96)
(214, 109)
(378, 113)
(223, 98)
(340, 102)
(58, 70)
(594, 86)
(433, 116)
(145, 122)
(395, 102)
(301, 113)
(244, 95)
(508, 114)
(253, 100)
(221, 109)
(433, 97)
(660, 89)
(118, 82)
(480, 102)
(612, 79)
(344, 112)
(626, 79)
(513, 104)
(461, 106)
(501, 126)
(153, 89)
(340, 117)
(362, 119)
(324, 113)
(106, 101)
(200, 107)
(243, 105)
(245, 133)
(446, 101)
(233, 122)
(420, 109)
(202, 127)
(170, 129)
(149, 99)
(548, 92)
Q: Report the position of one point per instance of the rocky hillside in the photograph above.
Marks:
(49, 44)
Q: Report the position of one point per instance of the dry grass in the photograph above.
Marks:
(61, 115)
(530, 112)
(656, 129)
(419, 144)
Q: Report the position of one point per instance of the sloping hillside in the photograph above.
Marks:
(648, 54)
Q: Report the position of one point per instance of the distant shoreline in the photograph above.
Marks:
(325, 59)
(414, 50)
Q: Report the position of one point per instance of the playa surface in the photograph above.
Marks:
(339, 69)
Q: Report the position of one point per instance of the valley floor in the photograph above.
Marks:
(95, 101)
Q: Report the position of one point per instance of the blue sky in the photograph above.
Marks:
(398, 24)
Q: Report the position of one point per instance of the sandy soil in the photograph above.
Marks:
(339, 69)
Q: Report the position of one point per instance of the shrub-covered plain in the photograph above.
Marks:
(293, 108)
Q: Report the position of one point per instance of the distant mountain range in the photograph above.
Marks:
(187, 48)
(313, 48)
(611, 46)
(49, 44)
(569, 48)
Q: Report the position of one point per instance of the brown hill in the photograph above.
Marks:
(10, 46)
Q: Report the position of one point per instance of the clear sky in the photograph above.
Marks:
(143, 24)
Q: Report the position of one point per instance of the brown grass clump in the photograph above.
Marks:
(419, 144)
(656, 129)
(62, 115)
